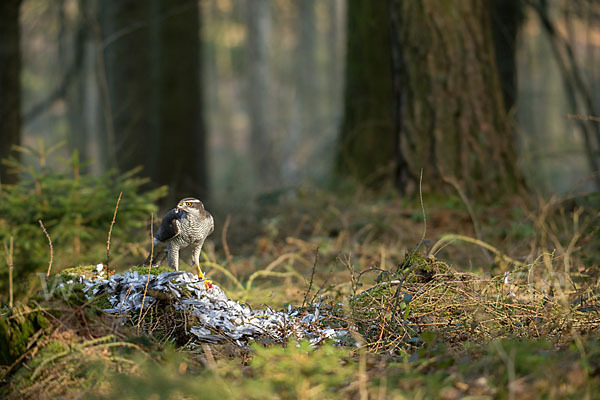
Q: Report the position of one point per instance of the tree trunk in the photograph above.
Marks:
(507, 17)
(127, 43)
(306, 111)
(75, 92)
(152, 57)
(10, 83)
(182, 152)
(262, 145)
(454, 123)
(366, 142)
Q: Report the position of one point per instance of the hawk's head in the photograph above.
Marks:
(190, 205)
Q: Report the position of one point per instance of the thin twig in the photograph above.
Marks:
(323, 285)
(10, 273)
(465, 200)
(312, 275)
(422, 210)
(149, 268)
(410, 257)
(125, 299)
(224, 238)
(30, 347)
(51, 248)
(453, 237)
(583, 117)
(110, 232)
(9, 261)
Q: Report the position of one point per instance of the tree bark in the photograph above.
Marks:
(126, 40)
(182, 130)
(367, 137)
(10, 84)
(454, 122)
(262, 144)
(306, 111)
(152, 57)
(507, 17)
(75, 90)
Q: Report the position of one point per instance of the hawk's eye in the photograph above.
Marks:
(189, 204)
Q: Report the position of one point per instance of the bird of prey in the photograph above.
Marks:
(186, 225)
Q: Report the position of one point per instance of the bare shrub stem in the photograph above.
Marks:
(51, 248)
(312, 276)
(149, 268)
(9, 261)
(110, 232)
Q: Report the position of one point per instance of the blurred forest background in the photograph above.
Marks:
(230, 99)
(247, 104)
(308, 128)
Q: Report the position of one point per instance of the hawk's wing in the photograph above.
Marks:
(211, 223)
(168, 228)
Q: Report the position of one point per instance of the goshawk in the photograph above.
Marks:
(186, 225)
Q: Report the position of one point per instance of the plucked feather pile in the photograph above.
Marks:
(220, 318)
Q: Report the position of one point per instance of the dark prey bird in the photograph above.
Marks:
(186, 225)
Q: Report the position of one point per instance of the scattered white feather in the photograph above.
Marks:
(220, 318)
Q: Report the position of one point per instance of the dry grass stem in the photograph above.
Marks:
(453, 237)
(224, 238)
(110, 232)
(422, 210)
(149, 268)
(9, 262)
(312, 276)
(51, 248)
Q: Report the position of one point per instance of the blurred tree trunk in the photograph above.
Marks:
(10, 83)
(127, 42)
(454, 123)
(262, 149)
(152, 58)
(182, 150)
(72, 40)
(507, 17)
(366, 142)
(426, 71)
(306, 111)
(335, 50)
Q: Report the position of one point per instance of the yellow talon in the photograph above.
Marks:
(207, 282)
(200, 273)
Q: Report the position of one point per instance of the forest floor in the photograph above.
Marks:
(442, 299)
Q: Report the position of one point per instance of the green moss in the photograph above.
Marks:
(143, 269)
(100, 302)
(371, 298)
(73, 294)
(17, 326)
(87, 271)
(50, 351)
